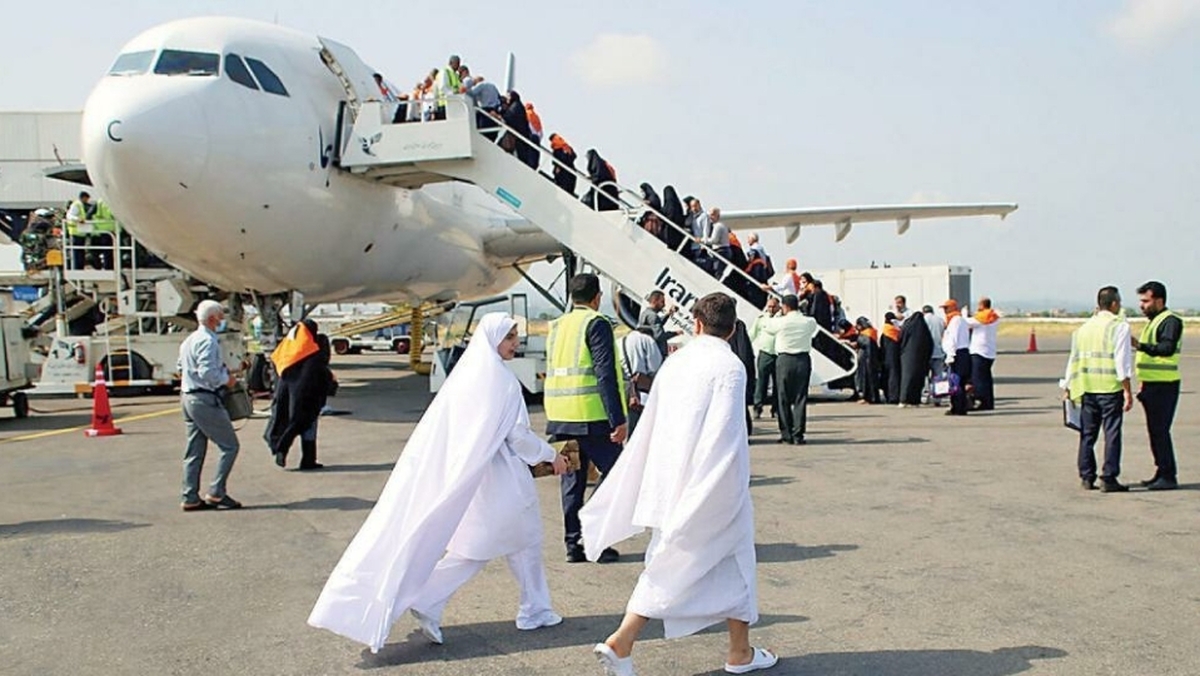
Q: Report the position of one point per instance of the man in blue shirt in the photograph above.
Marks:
(203, 379)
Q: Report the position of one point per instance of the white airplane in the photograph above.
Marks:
(212, 139)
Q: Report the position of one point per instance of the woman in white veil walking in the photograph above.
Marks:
(460, 494)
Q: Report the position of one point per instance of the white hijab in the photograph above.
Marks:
(433, 483)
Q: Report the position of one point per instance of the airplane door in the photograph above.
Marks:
(357, 78)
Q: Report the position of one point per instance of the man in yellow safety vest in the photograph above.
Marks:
(584, 399)
(1157, 366)
(1098, 380)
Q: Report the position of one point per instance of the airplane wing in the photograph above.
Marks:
(843, 218)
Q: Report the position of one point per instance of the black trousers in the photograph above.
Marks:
(1160, 400)
(981, 378)
(1101, 411)
(961, 368)
(765, 387)
(592, 449)
(792, 375)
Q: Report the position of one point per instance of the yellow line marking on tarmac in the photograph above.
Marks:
(67, 430)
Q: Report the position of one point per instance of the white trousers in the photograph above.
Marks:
(454, 571)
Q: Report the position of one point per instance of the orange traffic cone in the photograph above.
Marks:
(1032, 341)
(102, 419)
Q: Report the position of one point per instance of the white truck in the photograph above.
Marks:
(870, 292)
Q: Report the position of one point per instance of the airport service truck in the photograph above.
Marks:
(870, 292)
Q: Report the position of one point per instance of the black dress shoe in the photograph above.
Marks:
(609, 555)
(576, 555)
(1087, 484)
(1162, 484)
(1112, 486)
(304, 467)
(1146, 482)
(757, 412)
(783, 440)
(798, 442)
(281, 459)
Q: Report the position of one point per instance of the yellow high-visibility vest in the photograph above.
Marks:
(572, 391)
(1157, 369)
(1093, 363)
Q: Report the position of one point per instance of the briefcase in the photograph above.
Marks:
(237, 402)
(570, 447)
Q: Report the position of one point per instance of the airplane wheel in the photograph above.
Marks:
(401, 346)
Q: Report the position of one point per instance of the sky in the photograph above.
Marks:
(1082, 112)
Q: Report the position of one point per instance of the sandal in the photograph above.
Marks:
(196, 506)
(763, 659)
(613, 665)
(224, 501)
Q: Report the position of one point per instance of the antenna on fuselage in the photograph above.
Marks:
(510, 72)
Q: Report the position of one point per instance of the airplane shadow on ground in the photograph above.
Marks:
(869, 442)
(790, 552)
(488, 639)
(343, 504)
(61, 526)
(999, 662)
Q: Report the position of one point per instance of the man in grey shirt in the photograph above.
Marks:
(204, 377)
(652, 317)
(718, 240)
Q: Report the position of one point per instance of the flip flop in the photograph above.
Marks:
(224, 501)
(613, 665)
(763, 659)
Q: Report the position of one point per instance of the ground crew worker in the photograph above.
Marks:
(1157, 366)
(584, 400)
(792, 333)
(79, 214)
(765, 387)
(104, 231)
(449, 82)
(1098, 380)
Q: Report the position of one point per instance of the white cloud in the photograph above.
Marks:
(621, 60)
(1142, 23)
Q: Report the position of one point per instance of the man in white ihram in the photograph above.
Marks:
(687, 478)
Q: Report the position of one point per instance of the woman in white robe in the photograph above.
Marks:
(460, 494)
(685, 474)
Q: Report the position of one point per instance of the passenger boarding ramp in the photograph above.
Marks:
(413, 154)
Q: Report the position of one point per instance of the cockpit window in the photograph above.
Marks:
(178, 62)
(236, 70)
(132, 63)
(267, 77)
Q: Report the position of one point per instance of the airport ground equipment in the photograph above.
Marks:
(17, 371)
(455, 331)
(410, 155)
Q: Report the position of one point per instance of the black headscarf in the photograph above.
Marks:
(672, 208)
(650, 197)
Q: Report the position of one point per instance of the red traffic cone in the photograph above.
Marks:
(1032, 341)
(102, 419)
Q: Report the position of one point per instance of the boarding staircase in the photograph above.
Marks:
(413, 154)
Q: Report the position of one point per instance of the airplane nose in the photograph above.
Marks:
(144, 146)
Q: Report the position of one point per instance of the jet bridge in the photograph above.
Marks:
(413, 154)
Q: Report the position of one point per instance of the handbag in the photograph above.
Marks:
(237, 402)
(1071, 415)
(946, 385)
(570, 447)
(641, 381)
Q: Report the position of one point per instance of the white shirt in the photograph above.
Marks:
(956, 337)
(639, 354)
(983, 337)
(1123, 353)
(719, 235)
(789, 282)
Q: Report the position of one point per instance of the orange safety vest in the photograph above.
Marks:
(295, 346)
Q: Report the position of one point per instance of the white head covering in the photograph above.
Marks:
(433, 483)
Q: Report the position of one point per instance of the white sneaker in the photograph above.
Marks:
(429, 627)
(546, 618)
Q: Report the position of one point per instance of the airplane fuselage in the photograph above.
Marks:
(236, 185)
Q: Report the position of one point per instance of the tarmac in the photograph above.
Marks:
(897, 543)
